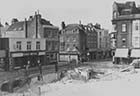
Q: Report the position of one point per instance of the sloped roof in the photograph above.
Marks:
(72, 26)
(45, 22)
(127, 8)
(18, 26)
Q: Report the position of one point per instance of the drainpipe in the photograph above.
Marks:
(26, 30)
(36, 23)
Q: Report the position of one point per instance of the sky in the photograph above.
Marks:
(56, 11)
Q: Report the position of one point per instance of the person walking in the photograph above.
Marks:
(40, 70)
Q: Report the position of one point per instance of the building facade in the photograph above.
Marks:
(35, 39)
(20, 51)
(125, 20)
(91, 41)
(51, 33)
(72, 42)
(103, 43)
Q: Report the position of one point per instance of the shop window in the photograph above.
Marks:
(37, 45)
(18, 45)
(28, 45)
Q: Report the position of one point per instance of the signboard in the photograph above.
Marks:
(33, 53)
(17, 54)
(41, 53)
(26, 54)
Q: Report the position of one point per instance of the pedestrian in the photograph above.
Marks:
(40, 71)
(27, 69)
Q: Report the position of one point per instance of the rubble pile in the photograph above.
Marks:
(81, 76)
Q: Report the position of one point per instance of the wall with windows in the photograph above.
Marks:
(22, 44)
(124, 34)
(136, 33)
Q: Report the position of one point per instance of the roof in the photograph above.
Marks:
(18, 26)
(72, 26)
(45, 22)
(127, 8)
(135, 53)
(121, 53)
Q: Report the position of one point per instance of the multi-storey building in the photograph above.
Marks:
(112, 37)
(91, 41)
(125, 20)
(72, 42)
(51, 33)
(103, 43)
(32, 33)
(20, 51)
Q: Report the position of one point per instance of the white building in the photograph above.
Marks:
(136, 33)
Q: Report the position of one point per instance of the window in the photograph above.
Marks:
(136, 26)
(100, 33)
(114, 29)
(18, 45)
(28, 45)
(37, 45)
(123, 27)
(115, 15)
(123, 41)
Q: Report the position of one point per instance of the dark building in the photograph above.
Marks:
(91, 41)
(72, 42)
(51, 34)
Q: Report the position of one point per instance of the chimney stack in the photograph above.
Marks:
(63, 25)
(79, 21)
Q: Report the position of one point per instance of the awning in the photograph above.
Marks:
(135, 53)
(122, 53)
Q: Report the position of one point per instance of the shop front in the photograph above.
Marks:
(121, 56)
(20, 60)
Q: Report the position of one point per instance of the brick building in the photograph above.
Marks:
(91, 41)
(126, 23)
(36, 38)
(103, 43)
(125, 20)
(72, 42)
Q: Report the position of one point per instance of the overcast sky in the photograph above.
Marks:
(56, 11)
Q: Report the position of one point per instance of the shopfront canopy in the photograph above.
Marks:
(135, 53)
(121, 53)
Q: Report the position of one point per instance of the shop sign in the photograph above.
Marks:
(26, 54)
(33, 53)
(41, 53)
(17, 54)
